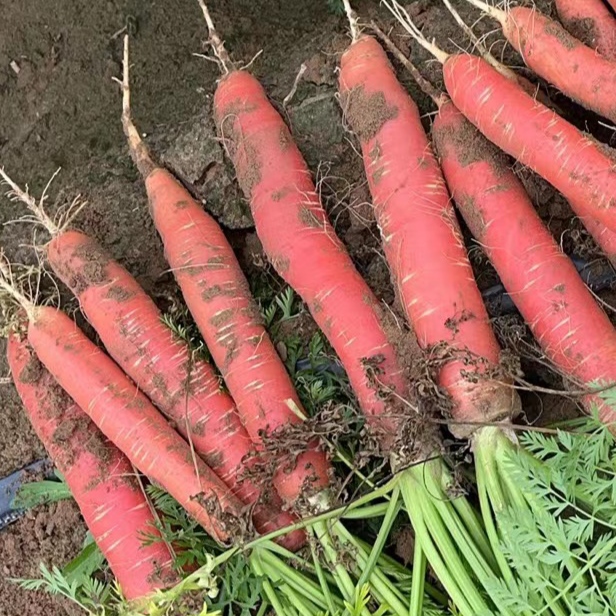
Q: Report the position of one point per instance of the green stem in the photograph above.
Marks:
(382, 587)
(449, 578)
(418, 582)
(383, 534)
(271, 594)
(294, 579)
(482, 469)
(322, 581)
(302, 607)
(343, 579)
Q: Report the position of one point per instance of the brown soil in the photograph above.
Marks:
(59, 107)
(52, 534)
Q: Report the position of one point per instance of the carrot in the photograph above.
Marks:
(420, 233)
(564, 61)
(574, 333)
(492, 445)
(127, 418)
(184, 388)
(218, 296)
(302, 245)
(591, 22)
(558, 332)
(423, 244)
(604, 237)
(99, 476)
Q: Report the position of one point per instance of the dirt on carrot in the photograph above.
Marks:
(474, 147)
(366, 113)
(583, 29)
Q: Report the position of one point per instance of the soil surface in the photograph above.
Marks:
(60, 108)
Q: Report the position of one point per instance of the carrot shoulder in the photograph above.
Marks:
(100, 477)
(303, 247)
(129, 420)
(420, 234)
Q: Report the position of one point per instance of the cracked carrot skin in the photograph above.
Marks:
(219, 299)
(562, 60)
(420, 233)
(99, 476)
(535, 136)
(573, 331)
(303, 247)
(131, 328)
(128, 419)
(593, 20)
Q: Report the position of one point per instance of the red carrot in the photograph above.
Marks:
(303, 247)
(574, 333)
(591, 22)
(564, 61)
(183, 387)
(99, 476)
(572, 162)
(421, 237)
(128, 419)
(218, 296)
(603, 236)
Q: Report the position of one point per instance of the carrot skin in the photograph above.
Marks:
(573, 331)
(591, 22)
(99, 476)
(302, 245)
(133, 333)
(535, 136)
(420, 233)
(219, 298)
(564, 61)
(129, 420)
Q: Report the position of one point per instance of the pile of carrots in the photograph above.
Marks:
(146, 409)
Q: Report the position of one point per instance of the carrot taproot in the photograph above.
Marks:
(573, 331)
(218, 296)
(561, 59)
(292, 224)
(572, 162)
(128, 419)
(99, 476)
(604, 237)
(591, 22)
(420, 234)
(185, 388)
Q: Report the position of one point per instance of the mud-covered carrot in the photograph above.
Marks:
(530, 132)
(127, 418)
(420, 233)
(219, 299)
(183, 387)
(561, 59)
(292, 224)
(591, 22)
(573, 331)
(99, 476)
